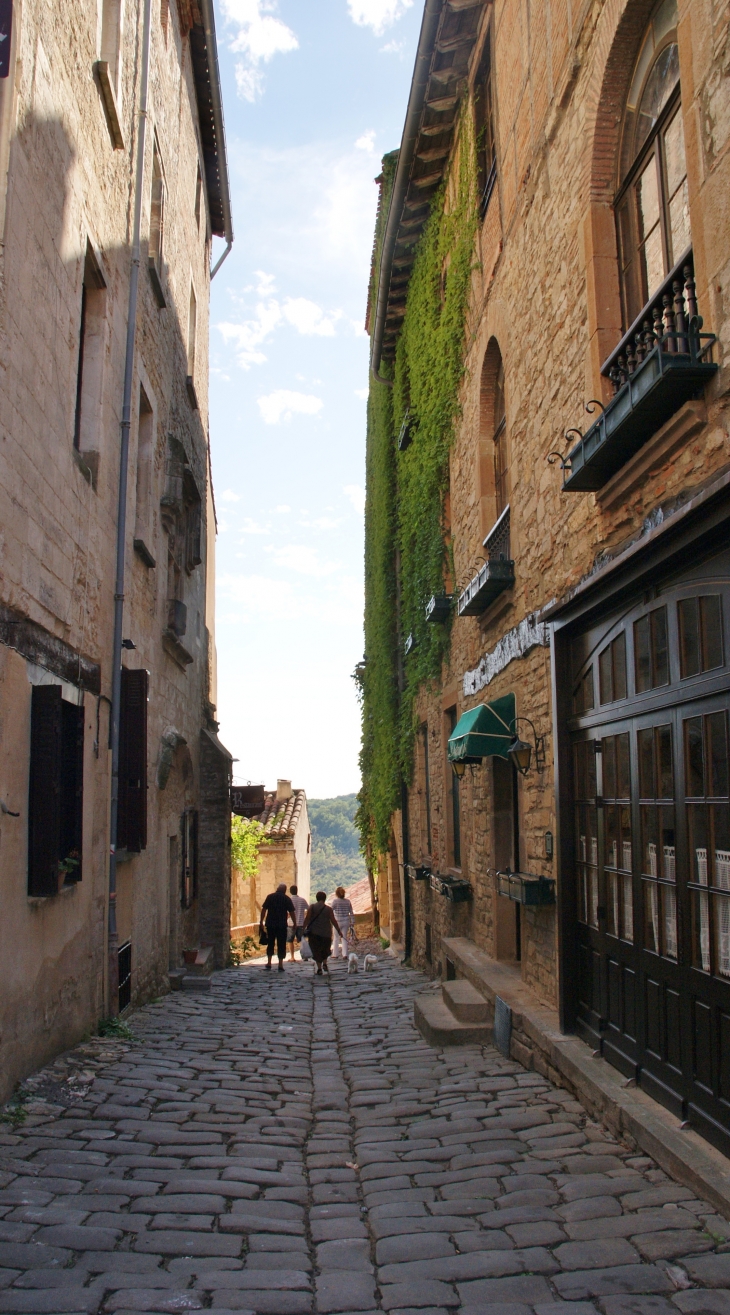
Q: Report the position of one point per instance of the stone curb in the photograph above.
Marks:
(538, 1043)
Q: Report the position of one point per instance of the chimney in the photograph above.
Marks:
(283, 791)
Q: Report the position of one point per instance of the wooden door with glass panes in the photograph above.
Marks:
(651, 844)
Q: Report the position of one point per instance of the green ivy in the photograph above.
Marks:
(247, 837)
(406, 546)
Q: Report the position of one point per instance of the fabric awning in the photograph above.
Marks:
(484, 732)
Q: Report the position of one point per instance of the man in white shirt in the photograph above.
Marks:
(344, 913)
(300, 911)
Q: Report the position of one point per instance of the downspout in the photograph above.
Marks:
(208, 17)
(405, 845)
(416, 101)
(113, 938)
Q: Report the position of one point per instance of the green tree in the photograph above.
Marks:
(247, 836)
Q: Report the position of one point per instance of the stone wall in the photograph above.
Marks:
(67, 203)
(545, 294)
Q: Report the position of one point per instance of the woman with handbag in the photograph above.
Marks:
(318, 926)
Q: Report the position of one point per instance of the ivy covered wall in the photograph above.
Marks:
(407, 556)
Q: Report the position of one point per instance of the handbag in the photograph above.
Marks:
(305, 948)
(263, 937)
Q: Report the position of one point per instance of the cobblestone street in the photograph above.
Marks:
(285, 1145)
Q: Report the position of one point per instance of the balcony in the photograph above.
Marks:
(661, 362)
(438, 608)
(496, 575)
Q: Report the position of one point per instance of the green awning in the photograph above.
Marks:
(484, 732)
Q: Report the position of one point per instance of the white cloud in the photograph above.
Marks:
(321, 523)
(303, 315)
(253, 527)
(259, 36)
(282, 404)
(282, 508)
(377, 14)
(362, 393)
(356, 494)
(229, 496)
(309, 318)
(366, 142)
(304, 560)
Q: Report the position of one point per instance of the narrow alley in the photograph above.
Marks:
(285, 1145)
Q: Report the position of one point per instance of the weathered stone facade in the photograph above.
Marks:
(545, 301)
(69, 125)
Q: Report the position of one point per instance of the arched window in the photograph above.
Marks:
(494, 472)
(652, 212)
(501, 495)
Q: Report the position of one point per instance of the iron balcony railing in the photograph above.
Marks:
(661, 362)
(496, 575)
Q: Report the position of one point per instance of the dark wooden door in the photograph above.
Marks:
(651, 845)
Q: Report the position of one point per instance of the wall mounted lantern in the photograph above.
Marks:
(520, 751)
(459, 768)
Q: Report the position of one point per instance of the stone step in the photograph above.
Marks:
(440, 1027)
(193, 982)
(465, 1002)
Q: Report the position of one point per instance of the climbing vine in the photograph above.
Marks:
(407, 551)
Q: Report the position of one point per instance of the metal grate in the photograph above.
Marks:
(497, 541)
(124, 961)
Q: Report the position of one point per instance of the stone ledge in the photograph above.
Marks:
(538, 1043)
(440, 1027)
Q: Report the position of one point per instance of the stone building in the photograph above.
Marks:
(582, 597)
(79, 146)
(284, 855)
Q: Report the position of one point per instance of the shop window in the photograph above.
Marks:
(708, 824)
(652, 209)
(658, 854)
(651, 651)
(617, 836)
(583, 695)
(700, 634)
(612, 670)
(55, 795)
(189, 857)
(132, 810)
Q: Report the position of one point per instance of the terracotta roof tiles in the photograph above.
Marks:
(280, 820)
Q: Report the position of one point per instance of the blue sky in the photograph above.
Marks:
(315, 92)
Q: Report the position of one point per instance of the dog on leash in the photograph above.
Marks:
(370, 962)
(352, 963)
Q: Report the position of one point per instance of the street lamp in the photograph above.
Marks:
(459, 769)
(520, 751)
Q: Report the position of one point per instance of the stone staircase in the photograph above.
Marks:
(459, 1016)
(195, 976)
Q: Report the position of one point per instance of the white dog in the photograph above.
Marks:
(370, 962)
(352, 963)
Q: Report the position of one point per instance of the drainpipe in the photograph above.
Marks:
(416, 101)
(113, 938)
(407, 938)
(216, 105)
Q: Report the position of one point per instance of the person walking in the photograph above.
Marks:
(318, 926)
(276, 909)
(294, 934)
(345, 915)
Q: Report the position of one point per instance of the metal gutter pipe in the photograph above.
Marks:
(113, 938)
(208, 17)
(416, 101)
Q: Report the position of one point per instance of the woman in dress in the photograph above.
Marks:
(318, 926)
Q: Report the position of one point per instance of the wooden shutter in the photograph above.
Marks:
(44, 794)
(72, 785)
(132, 814)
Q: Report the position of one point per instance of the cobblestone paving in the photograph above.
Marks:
(286, 1145)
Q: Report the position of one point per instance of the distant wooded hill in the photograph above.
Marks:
(336, 857)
